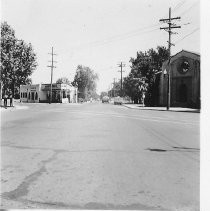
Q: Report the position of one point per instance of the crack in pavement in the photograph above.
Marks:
(177, 149)
(75, 151)
(23, 188)
(90, 205)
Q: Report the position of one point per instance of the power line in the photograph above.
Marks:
(133, 32)
(121, 65)
(187, 35)
(187, 10)
(120, 37)
(126, 37)
(178, 5)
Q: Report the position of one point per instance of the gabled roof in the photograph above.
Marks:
(185, 53)
(189, 54)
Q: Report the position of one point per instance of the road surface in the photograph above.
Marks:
(99, 156)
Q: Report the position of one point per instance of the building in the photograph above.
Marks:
(184, 80)
(40, 93)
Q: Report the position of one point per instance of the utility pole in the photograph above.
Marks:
(51, 66)
(169, 30)
(121, 65)
(114, 87)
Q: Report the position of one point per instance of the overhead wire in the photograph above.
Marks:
(120, 37)
(134, 32)
(178, 5)
(188, 9)
(187, 35)
(184, 13)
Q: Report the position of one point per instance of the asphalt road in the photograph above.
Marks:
(99, 156)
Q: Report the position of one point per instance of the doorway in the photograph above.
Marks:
(183, 93)
(32, 96)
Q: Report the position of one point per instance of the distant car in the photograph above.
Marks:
(105, 99)
(118, 100)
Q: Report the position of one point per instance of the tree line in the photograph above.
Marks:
(18, 62)
(143, 79)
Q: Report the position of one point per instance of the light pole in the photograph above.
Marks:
(167, 73)
(168, 85)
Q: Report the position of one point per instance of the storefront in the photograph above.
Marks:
(40, 93)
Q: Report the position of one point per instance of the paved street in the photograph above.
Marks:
(99, 156)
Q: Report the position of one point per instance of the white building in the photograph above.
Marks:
(35, 93)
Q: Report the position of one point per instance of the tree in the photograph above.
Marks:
(116, 89)
(86, 81)
(103, 94)
(63, 80)
(143, 78)
(18, 61)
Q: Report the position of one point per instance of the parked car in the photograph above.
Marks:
(105, 99)
(118, 100)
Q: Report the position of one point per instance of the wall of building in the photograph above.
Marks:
(40, 93)
(30, 93)
(185, 86)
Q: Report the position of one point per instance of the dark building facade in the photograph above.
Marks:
(184, 81)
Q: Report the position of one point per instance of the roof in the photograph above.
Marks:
(185, 53)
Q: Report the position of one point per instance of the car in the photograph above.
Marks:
(118, 100)
(105, 99)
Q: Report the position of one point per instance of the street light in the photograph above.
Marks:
(164, 72)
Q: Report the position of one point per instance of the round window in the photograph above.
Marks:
(185, 66)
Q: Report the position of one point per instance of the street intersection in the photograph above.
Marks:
(99, 156)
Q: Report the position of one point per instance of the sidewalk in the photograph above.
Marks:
(175, 109)
(17, 105)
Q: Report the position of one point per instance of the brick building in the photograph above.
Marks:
(185, 80)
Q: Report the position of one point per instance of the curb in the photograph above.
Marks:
(13, 108)
(164, 109)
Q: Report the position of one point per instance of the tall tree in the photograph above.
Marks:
(18, 60)
(86, 81)
(143, 78)
(63, 80)
(116, 89)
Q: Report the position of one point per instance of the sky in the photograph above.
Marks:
(98, 33)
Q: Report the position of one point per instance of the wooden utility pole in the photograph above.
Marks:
(169, 30)
(121, 65)
(114, 88)
(51, 66)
